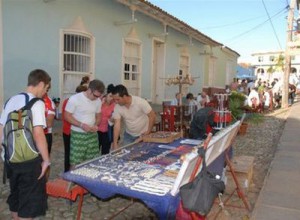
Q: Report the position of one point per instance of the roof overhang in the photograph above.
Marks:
(165, 18)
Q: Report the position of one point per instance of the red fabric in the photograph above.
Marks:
(225, 118)
(48, 108)
(208, 129)
(106, 112)
(66, 125)
(168, 118)
(183, 214)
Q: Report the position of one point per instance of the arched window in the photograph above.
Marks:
(77, 56)
(260, 70)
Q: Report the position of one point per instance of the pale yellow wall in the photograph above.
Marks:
(224, 57)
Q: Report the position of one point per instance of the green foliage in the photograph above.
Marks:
(254, 118)
(237, 108)
(236, 104)
(279, 65)
(270, 69)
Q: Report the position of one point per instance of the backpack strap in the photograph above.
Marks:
(26, 99)
(30, 104)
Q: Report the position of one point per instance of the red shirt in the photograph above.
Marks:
(66, 125)
(49, 109)
(106, 112)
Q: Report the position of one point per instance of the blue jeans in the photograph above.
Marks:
(128, 139)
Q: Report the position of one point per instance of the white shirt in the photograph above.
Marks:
(135, 117)
(83, 109)
(174, 102)
(276, 88)
(293, 79)
(267, 98)
(18, 101)
(192, 109)
(253, 94)
(199, 100)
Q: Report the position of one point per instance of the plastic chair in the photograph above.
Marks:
(60, 188)
(168, 118)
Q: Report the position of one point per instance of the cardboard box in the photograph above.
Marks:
(243, 167)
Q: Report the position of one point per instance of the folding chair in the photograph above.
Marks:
(60, 188)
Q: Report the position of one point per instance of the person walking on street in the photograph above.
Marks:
(83, 112)
(27, 180)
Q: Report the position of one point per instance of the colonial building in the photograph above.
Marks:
(270, 65)
(132, 42)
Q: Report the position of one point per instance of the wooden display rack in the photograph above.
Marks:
(161, 137)
(243, 167)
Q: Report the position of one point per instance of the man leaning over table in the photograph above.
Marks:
(136, 113)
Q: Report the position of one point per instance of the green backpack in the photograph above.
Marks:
(18, 139)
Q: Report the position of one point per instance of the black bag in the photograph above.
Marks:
(199, 194)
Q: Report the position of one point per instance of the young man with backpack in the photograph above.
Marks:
(26, 168)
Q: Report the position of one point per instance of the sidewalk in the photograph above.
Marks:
(280, 195)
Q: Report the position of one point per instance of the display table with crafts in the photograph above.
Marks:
(149, 171)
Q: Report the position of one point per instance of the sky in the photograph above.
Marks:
(242, 25)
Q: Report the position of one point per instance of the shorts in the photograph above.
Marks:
(27, 194)
(84, 146)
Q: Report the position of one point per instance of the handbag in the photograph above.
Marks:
(199, 194)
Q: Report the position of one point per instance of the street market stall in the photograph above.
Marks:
(150, 171)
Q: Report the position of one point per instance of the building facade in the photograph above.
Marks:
(133, 43)
(270, 65)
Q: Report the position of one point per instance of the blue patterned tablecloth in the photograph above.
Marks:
(163, 205)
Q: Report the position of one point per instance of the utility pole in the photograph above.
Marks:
(287, 68)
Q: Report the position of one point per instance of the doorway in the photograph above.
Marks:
(158, 69)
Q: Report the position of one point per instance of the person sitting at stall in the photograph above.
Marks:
(202, 100)
(176, 100)
(192, 104)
